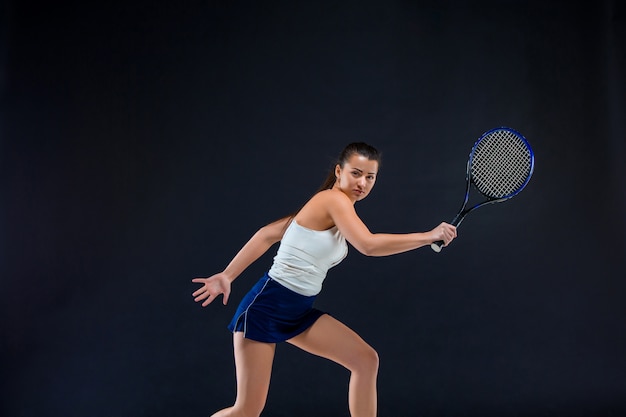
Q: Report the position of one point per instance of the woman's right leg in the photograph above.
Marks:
(331, 339)
(253, 362)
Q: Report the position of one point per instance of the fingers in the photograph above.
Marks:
(201, 295)
(448, 233)
(208, 297)
(200, 290)
(209, 300)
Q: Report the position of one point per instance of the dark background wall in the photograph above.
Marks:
(143, 143)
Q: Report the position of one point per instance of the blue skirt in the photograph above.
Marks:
(271, 313)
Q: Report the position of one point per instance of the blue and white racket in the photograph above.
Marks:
(499, 167)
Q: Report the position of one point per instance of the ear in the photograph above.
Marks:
(337, 170)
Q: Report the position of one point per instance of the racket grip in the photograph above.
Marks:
(436, 246)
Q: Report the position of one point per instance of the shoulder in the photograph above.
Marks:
(331, 196)
(333, 203)
(330, 200)
(318, 213)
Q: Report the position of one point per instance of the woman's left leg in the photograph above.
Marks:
(253, 362)
(331, 339)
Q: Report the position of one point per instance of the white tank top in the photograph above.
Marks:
(305, 256)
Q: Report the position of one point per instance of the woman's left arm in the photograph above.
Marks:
(258, 244)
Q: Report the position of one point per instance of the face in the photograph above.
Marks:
(357, 177)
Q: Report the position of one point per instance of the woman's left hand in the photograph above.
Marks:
(213, 286)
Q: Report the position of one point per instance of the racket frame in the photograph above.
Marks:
(469, 182)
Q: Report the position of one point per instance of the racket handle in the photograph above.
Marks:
(436, 246)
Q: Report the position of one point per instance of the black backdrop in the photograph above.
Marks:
(144, 142)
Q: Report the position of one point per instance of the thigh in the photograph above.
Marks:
(331, 339)
(253, 362)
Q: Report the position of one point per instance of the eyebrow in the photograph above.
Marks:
(361, 171)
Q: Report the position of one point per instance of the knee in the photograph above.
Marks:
(365, 360)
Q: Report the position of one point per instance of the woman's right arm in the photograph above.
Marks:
(342, 211)
(258, 244)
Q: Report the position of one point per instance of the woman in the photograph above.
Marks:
(279, 307)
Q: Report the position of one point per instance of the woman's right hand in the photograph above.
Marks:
(444, 232)
(211, 288)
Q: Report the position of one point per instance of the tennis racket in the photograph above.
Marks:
(499, 167)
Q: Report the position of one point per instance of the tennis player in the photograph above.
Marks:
(279, 307)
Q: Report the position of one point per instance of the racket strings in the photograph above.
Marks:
(501, 164)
